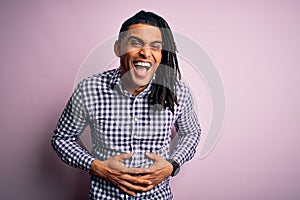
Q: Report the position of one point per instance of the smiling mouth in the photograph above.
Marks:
(142, 66)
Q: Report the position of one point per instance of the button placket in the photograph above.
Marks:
(135, 119)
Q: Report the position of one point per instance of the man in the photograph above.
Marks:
(131, 112)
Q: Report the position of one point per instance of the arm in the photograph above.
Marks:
(188, 129)
(70, 125)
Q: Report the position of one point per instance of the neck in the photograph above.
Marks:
(132, 88)
(135, 90)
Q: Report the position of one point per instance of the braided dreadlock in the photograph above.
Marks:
(163, 93)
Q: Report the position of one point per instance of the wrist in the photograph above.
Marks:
(97, 167)
(170, 169)
(175, 165)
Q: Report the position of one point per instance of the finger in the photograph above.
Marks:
(136, 180)
(137, 171)
(124, 156)
(152, 156)
(139, 184)
(127, 191)
(135, 184)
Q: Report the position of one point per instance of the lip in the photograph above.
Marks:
(143, 61)
(141, 73)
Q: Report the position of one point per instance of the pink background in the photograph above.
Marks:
(254, 45)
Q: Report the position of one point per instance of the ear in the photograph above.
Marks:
(117, 48)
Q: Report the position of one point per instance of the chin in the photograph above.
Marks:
(140, 83)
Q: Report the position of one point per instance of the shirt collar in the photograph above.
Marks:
(116, 78)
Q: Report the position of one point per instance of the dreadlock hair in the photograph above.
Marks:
(163, 93)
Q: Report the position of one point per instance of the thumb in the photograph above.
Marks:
(152, 156)
(124, 156)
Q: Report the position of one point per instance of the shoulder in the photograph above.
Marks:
(184, 97)
(182, 90)
(100, 80)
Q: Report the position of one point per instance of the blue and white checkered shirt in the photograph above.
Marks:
(123, 123)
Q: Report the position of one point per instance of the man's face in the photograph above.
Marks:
(140, 52)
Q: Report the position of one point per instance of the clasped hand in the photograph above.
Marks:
(131, 180)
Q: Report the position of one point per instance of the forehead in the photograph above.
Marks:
(144, 32)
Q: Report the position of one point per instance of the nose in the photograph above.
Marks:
(145, 52)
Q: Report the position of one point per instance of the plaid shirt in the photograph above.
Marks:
(123, 123)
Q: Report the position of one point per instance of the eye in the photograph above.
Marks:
(156, 46)
(136, 43)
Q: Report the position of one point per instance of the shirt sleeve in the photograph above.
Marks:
(70, 125)
(188, 129)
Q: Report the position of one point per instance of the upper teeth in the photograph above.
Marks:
(144, 64)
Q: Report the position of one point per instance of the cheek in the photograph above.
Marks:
(126, 59)
(158, 57)
(124, 64)
(130, 55)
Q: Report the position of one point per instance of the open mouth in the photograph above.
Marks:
(141, 65)
(141, 68)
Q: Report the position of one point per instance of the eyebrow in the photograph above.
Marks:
(140, 40)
